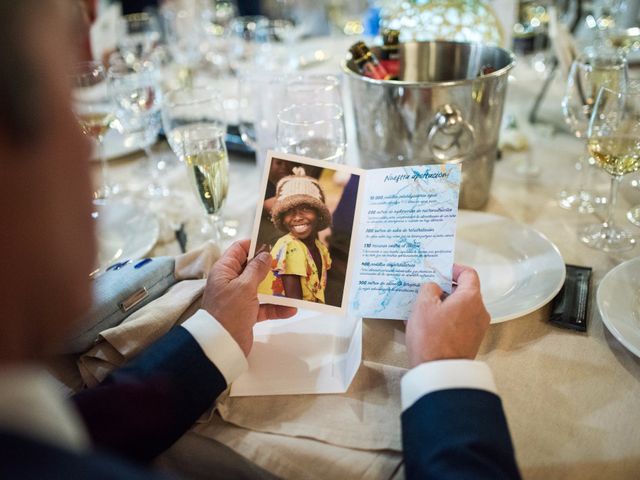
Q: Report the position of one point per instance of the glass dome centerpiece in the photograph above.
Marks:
(452, 20)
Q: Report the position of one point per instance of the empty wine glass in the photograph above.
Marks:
(135, 90)
(186, 35)
(314, 88)
(95, 113)
(589, 72)
(244, 42)
(138, 35)
(313, 130)
(614, 142)
(276, 39)
(193, 120)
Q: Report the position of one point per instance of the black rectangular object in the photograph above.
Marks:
(569, 307)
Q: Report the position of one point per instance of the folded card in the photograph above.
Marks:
(351, 241)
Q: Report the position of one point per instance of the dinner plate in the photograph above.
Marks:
(124, 231)
(117, 145)
(618, 300)
(520, 269)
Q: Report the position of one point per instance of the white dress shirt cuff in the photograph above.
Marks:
(217, 344)
(444, 375)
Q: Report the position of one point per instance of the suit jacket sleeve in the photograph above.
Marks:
(141, 409)
(458, 434)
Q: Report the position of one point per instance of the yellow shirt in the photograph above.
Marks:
(292, 257)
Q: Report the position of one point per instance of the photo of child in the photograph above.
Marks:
(296, 224)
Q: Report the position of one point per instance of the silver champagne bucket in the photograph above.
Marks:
(443, 111)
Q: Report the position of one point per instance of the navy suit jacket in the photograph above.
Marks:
(144, 407)
(135, 414)
(458, 434)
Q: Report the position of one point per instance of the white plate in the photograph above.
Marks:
(520, 269)
(117, 145)
(618, 300)
(124, 232)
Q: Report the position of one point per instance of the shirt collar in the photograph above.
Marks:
(32, 405)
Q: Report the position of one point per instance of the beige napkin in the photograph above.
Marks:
(297, 458)
(145, 326)
(366, 417)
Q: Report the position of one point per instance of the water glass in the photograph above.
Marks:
(136, 93)
(312, 130)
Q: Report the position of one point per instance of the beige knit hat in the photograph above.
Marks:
(299, 190)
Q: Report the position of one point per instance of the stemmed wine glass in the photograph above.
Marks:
(186, 36)
(193, 121)
(614, 142)
(95, 112)
(138, 35)
(135, 90)
(245, 40)
(314, 130)
(589, 72)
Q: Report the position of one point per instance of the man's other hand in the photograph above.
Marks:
(447, 328)
(231, 293)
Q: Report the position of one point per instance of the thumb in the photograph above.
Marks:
(257, 268)
(429, 292)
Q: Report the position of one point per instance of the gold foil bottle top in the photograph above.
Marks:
(360, 52)
(390, 38)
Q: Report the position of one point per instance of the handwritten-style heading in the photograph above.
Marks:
(415, 176)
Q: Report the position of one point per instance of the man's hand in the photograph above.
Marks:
(231, 293)
(451, 328)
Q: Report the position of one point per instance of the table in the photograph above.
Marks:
(571, 399)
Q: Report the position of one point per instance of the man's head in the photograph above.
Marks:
(47, 244)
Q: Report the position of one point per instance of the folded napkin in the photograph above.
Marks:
(366, 417)
(118, 344)
(294, 458)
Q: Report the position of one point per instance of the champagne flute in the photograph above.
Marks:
(193, 120)
(614, 142)
(313, 130)
(589, 72)
(95, 113)
(135, 90)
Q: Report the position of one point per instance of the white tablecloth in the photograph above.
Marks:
(572, 399)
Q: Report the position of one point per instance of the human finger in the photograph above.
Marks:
(458, 269)
(230, 264)
(257, 268)
(465, 277)
(430, 290)
(272, 312)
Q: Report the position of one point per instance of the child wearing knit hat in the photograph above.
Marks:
(300, 259)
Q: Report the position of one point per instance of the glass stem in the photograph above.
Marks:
(613, 193)
(214, 221)
(185, 76)
(152, 166)
(103, 190)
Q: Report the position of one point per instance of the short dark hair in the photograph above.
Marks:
(19, 92)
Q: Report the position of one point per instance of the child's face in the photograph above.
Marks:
(301, 222)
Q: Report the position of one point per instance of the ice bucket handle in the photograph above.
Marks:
(450, 137)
